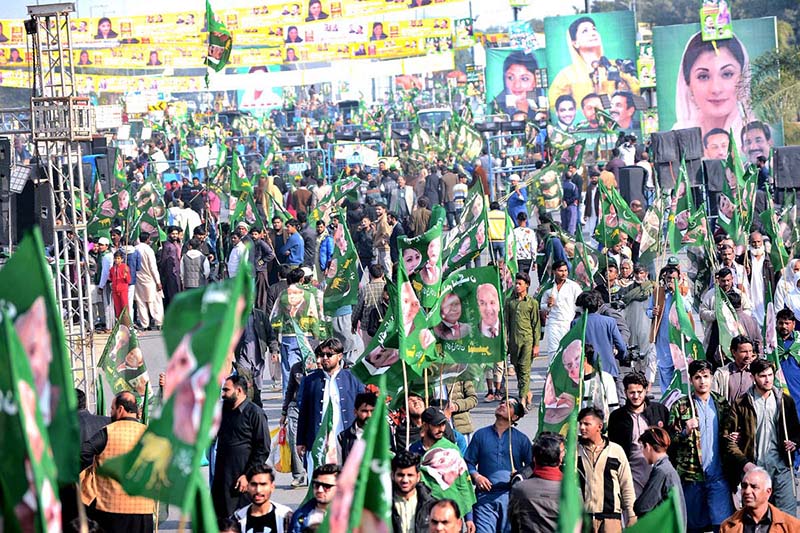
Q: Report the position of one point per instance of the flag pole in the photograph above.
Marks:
(405, 392)
(425, 372)
(510, 424)
(788, 453)
(158, 504)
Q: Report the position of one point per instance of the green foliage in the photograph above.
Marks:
(775, 84)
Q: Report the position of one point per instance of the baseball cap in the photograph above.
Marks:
(673, 261)
(514, 177)
(433, 416)
(104, 240)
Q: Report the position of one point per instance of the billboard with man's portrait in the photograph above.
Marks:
(706, 85)
(590, 58)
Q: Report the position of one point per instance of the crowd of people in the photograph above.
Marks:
(728, 444)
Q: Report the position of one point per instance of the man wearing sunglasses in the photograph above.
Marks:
(331, 383)
(310, 514)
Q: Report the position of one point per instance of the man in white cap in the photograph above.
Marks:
(103, 284)
(518, 198)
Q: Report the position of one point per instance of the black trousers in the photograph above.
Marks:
(127, 523)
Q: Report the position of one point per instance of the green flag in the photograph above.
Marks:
(469, 237)
(415, 338)
(239, 180)
(570, 503)
(119, 165)
(200, 330)
(727, 322)
(617, 217)
(246, 210)
(649, 237)
(730, 208)
(667, 516)
(467, 320)
(28, 487)
(122, 361)
(562, 388)
(220, 42)
(382, 355)
(341, 276)
(422, 257)
(204, 519)
(681, 331)
(444, 471)
(584, 262)
(366, 505)
(26, 282)
(777, 253)
(323, 450)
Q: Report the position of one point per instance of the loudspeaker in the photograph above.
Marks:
(631, 183)
(99, 145)
(786, 167)
(667, 174)
(43, 214)
(690, 143)
(5, 158)
(694, 170)
(665, 147)
(370, 135)
(23, 210)
(714, 170)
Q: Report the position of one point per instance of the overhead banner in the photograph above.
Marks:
(591, 58)
(705, 84)
(514, 83)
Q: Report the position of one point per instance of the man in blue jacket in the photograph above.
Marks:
(329, 383)
(292, 252)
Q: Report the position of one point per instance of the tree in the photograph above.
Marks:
(775, 89)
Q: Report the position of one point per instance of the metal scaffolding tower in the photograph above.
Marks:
(59, 120)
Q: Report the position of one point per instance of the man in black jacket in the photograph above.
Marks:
(365, 405)
(627, 423)
(406, 490)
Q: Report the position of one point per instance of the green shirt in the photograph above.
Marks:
(522, 321)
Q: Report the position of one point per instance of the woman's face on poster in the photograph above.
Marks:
(519, 80)
(713, 83)
(587, 36)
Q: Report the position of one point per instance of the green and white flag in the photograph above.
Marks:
(28, 486)
(727, 322)
(584, 262)
(324, 449)
(561, 396)
(730, 208)
(415, 338)
(617, 217)
(666, 516)
(220, 42)
(365, 503)
(444, 471)
(123, 361)
(201, 329)
(341, 276)
(239, 180)
(777, 252)
(468, 319)
(422, 258)
(382, 354)
(26, 282)
(469, 237)
(649, 237)
(571, 515)
(681, 331)
(508, 265)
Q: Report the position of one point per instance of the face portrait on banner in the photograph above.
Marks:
(706, 84)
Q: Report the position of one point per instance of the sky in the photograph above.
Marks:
(487, 12)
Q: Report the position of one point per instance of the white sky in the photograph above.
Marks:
(488, 12)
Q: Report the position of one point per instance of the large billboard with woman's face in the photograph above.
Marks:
(706, 84)
(590, 56)
(513, 82)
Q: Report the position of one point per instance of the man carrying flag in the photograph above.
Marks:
(113, 508)
(787, 352)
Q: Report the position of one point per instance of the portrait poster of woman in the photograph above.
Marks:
(700, 86)
(591, 55)
(511, 81)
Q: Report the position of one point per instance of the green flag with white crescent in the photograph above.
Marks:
(201, 329)
(28, 486)
(727, 322)
(666, 516)
(123, 361)
(562, 387)
(26, 282)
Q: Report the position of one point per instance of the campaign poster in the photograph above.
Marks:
(715, 18)
(514, 82)
(590, 58)
(706, 84)
(467, 319)
(646, 65)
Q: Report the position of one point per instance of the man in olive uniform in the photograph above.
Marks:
(524, 328)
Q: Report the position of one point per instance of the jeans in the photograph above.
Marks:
(383, 258)
(498, 250)
(649, 197)
(569, 219)
(782, 492)
(708, 503)
(290, 354)
(490, 514)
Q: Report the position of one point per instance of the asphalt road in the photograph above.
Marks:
(483, 415)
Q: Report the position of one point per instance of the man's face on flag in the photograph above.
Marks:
(451, 308)
(488, 303)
